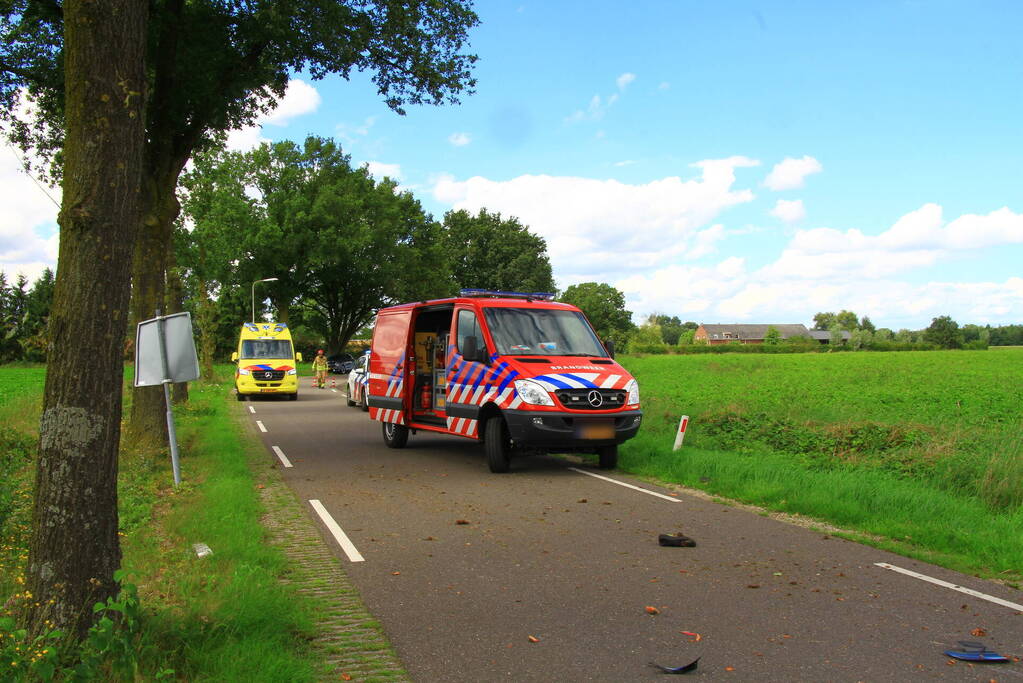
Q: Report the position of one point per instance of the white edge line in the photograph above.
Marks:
(339, 535)
(628, 486)
(946, 584)
(252, 409)
(334, 390)
(262, 428)
(280, 454)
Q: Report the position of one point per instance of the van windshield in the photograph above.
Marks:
(266, 348)
(542, 332)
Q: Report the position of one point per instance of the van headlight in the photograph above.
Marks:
(293, 371)
(243, 371)
(532, 393)
(632, 391)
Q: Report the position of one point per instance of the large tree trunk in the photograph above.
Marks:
(74, 548)
(147, 424)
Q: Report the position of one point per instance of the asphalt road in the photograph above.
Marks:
(572, 561)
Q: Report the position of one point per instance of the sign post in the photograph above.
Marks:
(681, 433)
(164, 354)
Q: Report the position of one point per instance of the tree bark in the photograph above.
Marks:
(147, 424)
(74, 549)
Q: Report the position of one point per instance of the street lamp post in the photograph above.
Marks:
(266, 279)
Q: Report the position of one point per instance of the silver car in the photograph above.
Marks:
(358, 383)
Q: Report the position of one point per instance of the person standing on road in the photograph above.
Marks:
(320, 368)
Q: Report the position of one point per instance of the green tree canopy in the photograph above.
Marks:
(214, 66)
(845, 320)
(605, 307)
(489, 252)
(671, 327)
(341, 244)
(944, 332)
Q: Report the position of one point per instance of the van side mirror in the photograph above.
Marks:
(298, 356)
(610, 346)
(234, 356)
(472, 352)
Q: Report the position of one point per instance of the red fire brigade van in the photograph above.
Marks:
(519, 372)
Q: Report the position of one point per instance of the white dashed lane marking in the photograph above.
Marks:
(339, 535)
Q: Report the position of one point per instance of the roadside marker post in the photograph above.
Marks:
(681, 433)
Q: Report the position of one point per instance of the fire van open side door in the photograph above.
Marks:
(388, 361)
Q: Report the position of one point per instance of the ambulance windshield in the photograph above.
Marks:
(542, 332)
(266, 348)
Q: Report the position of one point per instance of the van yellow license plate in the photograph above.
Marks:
(268, 390)
(594, 429)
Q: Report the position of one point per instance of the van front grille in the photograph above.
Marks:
(268, 375)
(584, 399)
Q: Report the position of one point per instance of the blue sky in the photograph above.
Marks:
(724, 162)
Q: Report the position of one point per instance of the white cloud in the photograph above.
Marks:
(789, 211)
(28, 222)
(623, 163)
(605, 226)
(459, 139)
(299, 99)
(599, 106)
(790, 174)
(664, 85)
(381, 170)
(826, 269)
(918, 239)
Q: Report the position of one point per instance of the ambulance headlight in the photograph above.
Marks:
(243, 371)
(532, 393)
(632, 389)
(293, 371)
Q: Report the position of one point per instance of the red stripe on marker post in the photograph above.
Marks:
(681, 434)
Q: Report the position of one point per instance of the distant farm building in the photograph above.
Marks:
(755, 334)
(824, 336)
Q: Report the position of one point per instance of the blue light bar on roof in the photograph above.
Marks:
(543, 296)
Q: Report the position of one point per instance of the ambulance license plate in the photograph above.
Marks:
(594, 429)
(268, 390)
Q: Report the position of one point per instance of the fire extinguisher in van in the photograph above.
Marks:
(424, 398)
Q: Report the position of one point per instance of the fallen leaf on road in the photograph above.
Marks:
(533, 639)
(582, 500)
(753, 585)
(395, 573)
(652, 610)
(729, 668)
(978, 632)
(696, 637)
(461, 521)
(346, 677)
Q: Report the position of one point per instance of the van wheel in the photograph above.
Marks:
(364, 402)
(239, 395)
(349, 400)
(293, 397)
(395, 435)
(607, 457)
(497, 445)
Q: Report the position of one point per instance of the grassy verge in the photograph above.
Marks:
(921, 453)
(237, 614)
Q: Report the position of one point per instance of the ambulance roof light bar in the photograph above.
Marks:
(542, 296)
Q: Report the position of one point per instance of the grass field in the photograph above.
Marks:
(924, 449)
(228, 616)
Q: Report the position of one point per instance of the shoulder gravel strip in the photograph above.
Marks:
(348, 640)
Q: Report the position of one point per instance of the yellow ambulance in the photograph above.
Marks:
(266, 361)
